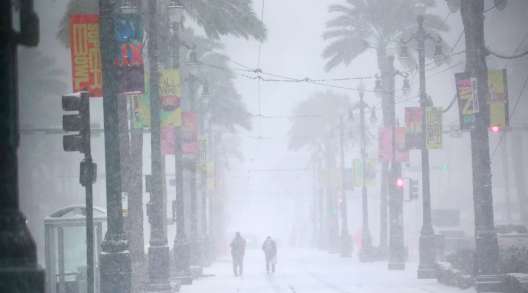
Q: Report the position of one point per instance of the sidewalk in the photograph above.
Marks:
(307, 271)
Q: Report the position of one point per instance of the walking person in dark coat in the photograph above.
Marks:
(270, 252)
(238, 249)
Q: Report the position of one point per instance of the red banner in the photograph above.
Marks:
(168, 141)
(86, 54)
(386, 145)
(413, 123)
(190, 133)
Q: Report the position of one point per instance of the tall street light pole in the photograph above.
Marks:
(115, 258)
(19, 271)
(427, 261)
(181, 245)
(366, 246)
(427, 253)
(158, 251)
(345, 235)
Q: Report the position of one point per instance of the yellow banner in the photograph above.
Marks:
(433, 137)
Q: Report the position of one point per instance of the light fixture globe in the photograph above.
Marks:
(127, 7)
(420, 8)
(406, 87)
(175, 10)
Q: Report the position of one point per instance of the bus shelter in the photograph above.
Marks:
(65, 249)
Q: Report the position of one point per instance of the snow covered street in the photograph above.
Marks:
(309, 271)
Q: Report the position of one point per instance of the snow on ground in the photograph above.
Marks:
(307, 271)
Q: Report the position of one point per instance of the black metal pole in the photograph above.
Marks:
(158, 251)
(395, 200)
(87, 167)
(366, 246)
(345, 236)
(19, 271)
(114, 259)
(427, 261)
(487, 250)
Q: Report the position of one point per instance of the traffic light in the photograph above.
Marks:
(78, 122)
(413, 189)
(495, 129)
(400, 182)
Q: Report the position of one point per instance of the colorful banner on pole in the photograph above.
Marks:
(497, 84)
(433, 124)
(498, 90)
(211, 182)
(467, 100)
(190, 133)
(413, 124)
(170, 96)
(385, 153)
(168, 141)
(356, 173)
(129, 57)
(86, 54)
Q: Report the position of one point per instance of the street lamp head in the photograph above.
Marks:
(350, 114)
(205, 90)
(404, 53)
(373, 116)
(175, 9)
(438, 53)
(361, 87)
(420, 8)
(406, 88)
(378, 88)
(500, 4)
(127, 7)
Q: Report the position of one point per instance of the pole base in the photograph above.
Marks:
(396, 266)
(159, 269)
(346, 246)
(22, 279)
(19, 271)
(181, 260)
(427, 262)
(370, 254)
(426, 273)
(115, 268)
(488, 283)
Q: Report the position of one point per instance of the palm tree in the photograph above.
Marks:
(217, 18)
(226, 109)
(318, 135)
(360, 25)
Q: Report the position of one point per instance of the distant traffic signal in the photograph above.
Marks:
(413, 189)
(400, 182)
(495, 129)
(78, 122)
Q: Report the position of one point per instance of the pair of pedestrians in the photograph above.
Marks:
(238, 249)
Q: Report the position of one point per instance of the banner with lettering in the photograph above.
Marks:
(190, 133)
(86, 54)
(467, 100)
(386, 143)
(170, 97)
(433, 124)
(498, 90)
(413, 124)
(129, 56)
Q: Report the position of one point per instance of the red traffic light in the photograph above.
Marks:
(400, 182)
(495, 129)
